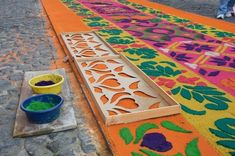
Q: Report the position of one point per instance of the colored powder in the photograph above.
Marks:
(39, 106)
(156, 141)
(171, 126)
(44, 83)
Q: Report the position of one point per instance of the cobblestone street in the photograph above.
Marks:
(26, 46)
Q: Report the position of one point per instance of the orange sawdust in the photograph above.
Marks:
(80, 102)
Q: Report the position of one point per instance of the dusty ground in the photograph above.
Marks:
(203, 7)
(26, 44)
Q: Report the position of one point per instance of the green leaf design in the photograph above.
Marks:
(95, 18)
(203, 88)
(220, 134)
(150, 153)
(222, 98)
(142, 129)
(169, 70)
(180, 20)
(185, 94)
(98, 24)
(226, 125)
(192, 148)
(145, 53)
(154, 69)
(126, 135)
(198, 97)
(175, 90)
(136, 154)
(160, 68)
(111, 31)
(120, 40)
(169, 63)
(171, 126)
(132, 59)
(196, 27)
(227, 143)
(223, 34)
(209, 92)
(216, 104)
(178, 154)
(147, 65)
(189, 87)
(177, 72)
(151, 72)
(190, 111)
(155, 20)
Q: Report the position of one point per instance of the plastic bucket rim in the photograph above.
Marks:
(49, 86)
(42, 111)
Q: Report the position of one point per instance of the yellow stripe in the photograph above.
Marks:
(223, 48)
(174, 45)
(199, 59)
(204, 60)
(218, 68)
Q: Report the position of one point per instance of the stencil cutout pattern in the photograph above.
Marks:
(86, 45)
(118, 89)
(121, 91)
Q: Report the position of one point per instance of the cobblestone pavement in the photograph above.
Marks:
(202, 7)
(25, 46)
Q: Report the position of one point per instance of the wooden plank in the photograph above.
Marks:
(151, 83)
(152, 100)
(123, 93)
(86, 45)
(66, 119)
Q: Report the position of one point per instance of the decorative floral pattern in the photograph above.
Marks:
(171, 82)
(156, 142)
(165, 36)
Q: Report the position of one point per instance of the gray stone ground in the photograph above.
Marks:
(202, 7)
(25, 46)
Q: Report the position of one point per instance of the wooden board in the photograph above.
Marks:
(87, 45)
(123, 93)
(66, 119)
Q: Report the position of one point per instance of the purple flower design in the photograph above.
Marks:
(159, 44)
(214, 41)
(180, 57)
(233, 49)
(115, 10)
(232, 64)
(156, 142)
(204, 72)
(221, 61)
(197, 47)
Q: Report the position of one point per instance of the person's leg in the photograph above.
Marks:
(223, 8)
(230, 11)
(231, 3)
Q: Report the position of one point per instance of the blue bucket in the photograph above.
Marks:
(43, 116)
